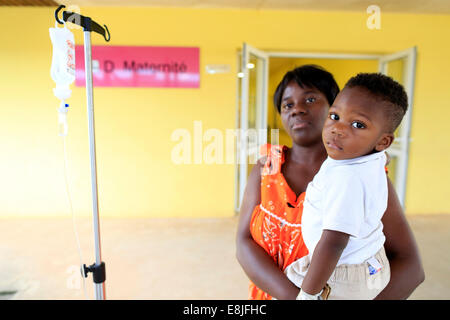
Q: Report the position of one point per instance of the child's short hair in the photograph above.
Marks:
(389, 90)
(308, 75)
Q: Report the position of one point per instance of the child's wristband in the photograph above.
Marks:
(306, 296)
(322, 295)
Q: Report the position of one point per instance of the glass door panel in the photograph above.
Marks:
(401, 67)
(252, 125)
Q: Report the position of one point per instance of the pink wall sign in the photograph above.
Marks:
(128, 66)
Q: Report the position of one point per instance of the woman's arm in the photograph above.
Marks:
(401, 249)
(256, 262)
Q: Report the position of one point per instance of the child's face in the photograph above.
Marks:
(354, 128)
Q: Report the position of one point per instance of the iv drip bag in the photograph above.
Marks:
(63, 61)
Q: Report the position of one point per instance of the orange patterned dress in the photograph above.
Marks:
(275, 223)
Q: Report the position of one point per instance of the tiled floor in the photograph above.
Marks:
(162, 258)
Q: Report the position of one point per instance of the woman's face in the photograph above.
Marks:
(303, 113)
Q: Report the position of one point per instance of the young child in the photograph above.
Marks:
(344, 203)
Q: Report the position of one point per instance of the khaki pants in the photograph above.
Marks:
(348, 282)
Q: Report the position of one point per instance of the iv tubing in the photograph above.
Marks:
(73, 215)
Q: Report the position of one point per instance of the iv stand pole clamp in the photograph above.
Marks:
(98, 269)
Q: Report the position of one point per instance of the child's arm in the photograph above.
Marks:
(324, 260)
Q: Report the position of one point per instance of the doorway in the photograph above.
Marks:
(260, 73)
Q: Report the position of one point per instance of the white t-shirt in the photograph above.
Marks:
(349, 196)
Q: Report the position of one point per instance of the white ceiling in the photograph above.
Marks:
(412, 6)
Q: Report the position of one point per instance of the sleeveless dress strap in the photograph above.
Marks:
(274, 158)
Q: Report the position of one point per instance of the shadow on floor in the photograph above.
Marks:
(161, 258)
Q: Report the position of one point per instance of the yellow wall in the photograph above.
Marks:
(134, 125)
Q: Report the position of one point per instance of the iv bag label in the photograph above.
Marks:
(70, 57)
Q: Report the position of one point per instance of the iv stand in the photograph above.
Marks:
(98, 268)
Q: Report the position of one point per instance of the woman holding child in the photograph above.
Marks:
(269, 237)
